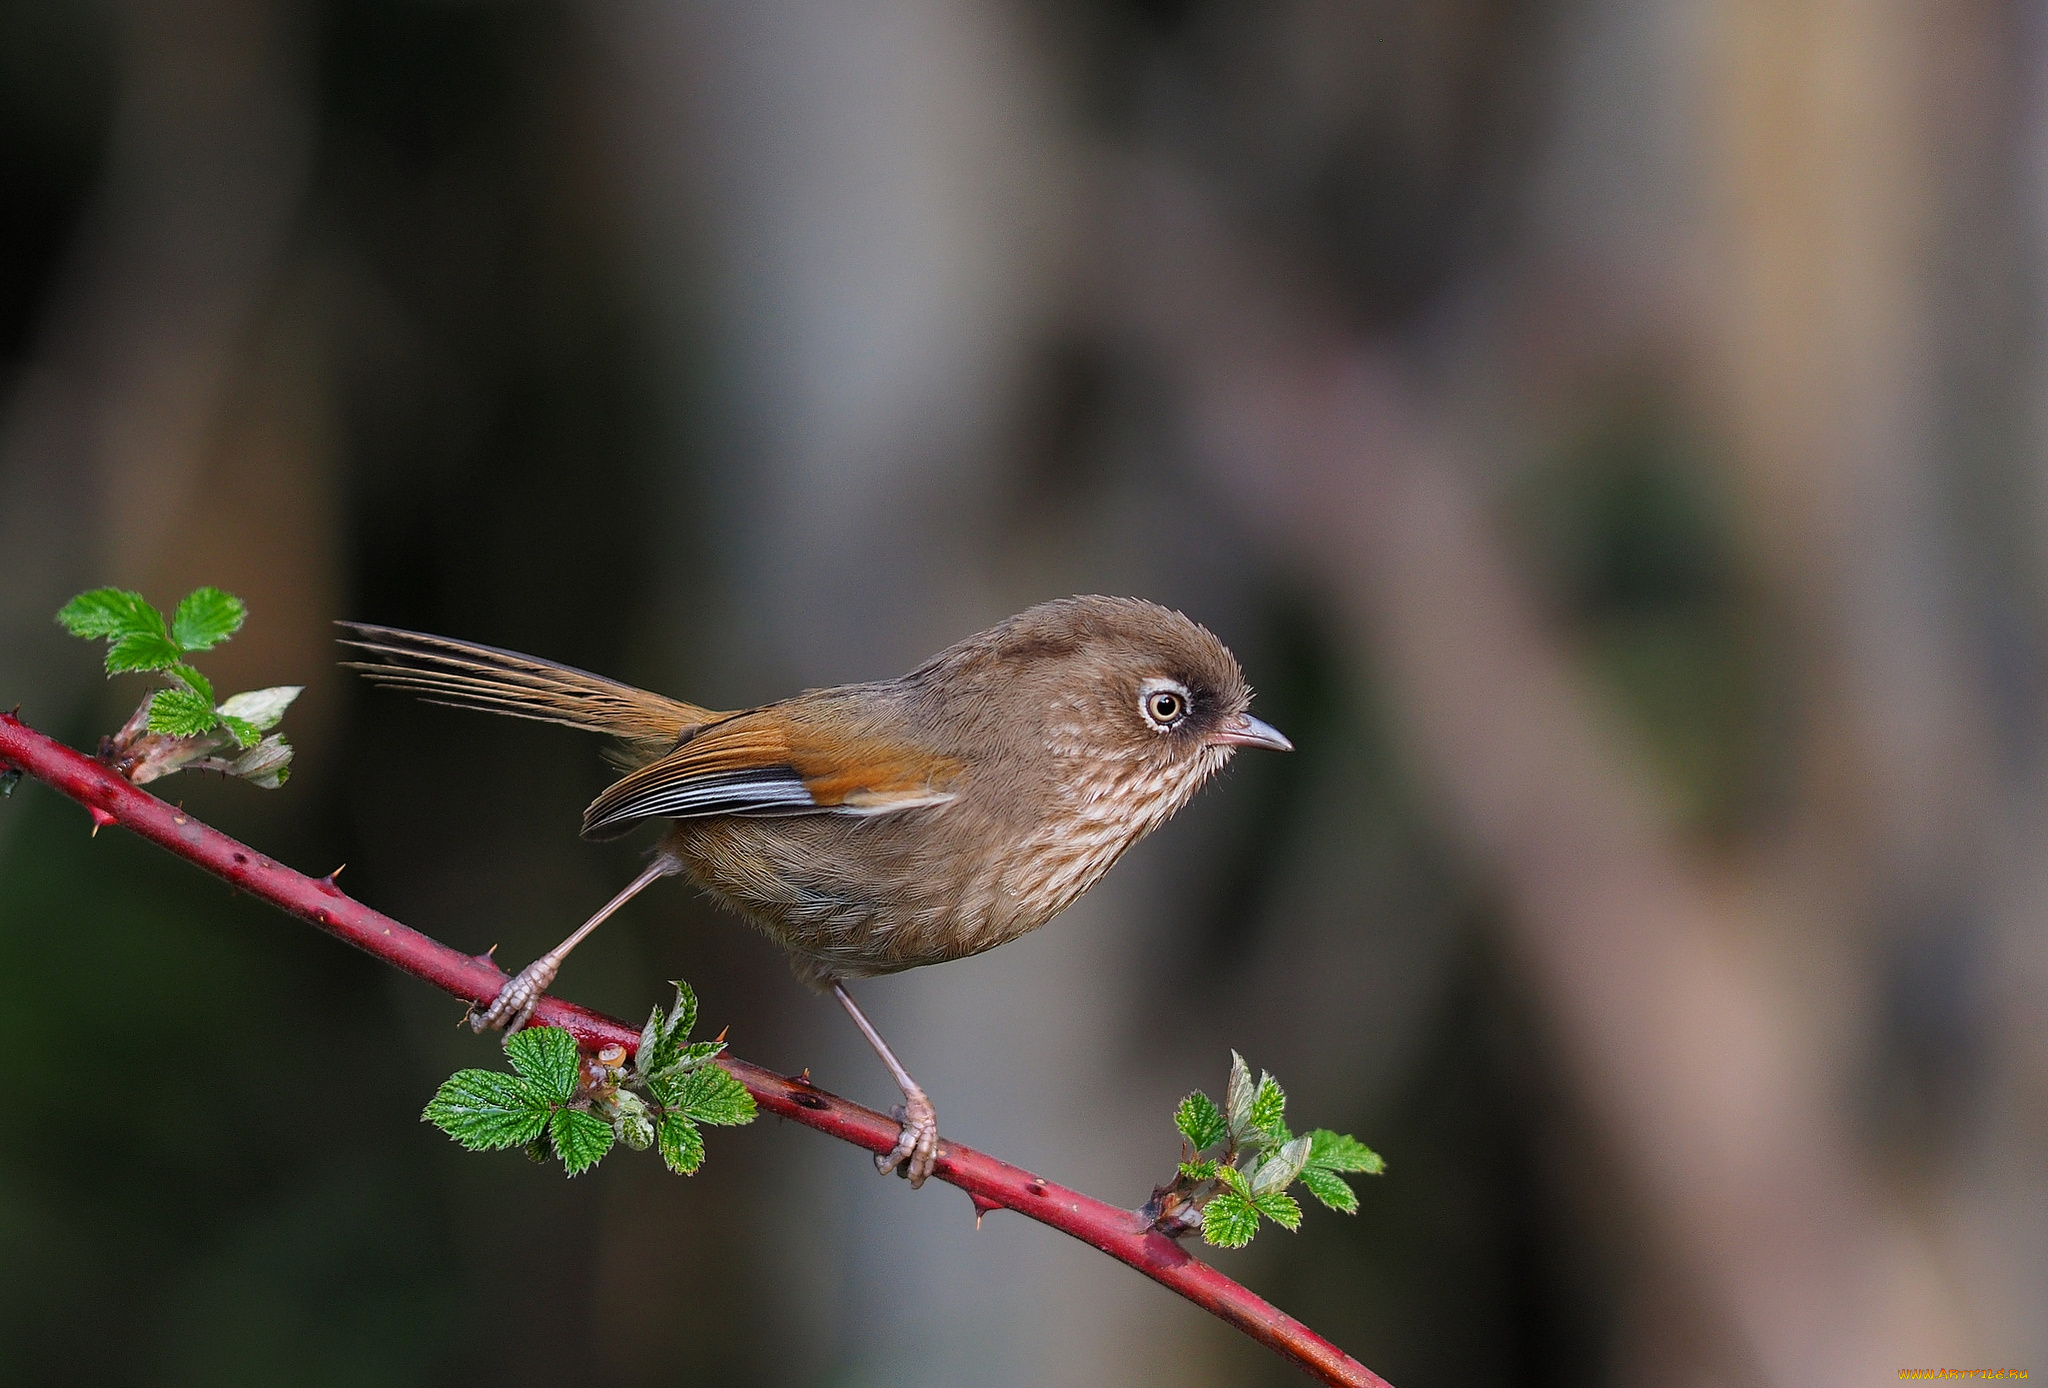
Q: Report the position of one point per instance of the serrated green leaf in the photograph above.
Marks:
(193, 680)
(1269, 1109)
(110, 612)
(1280, 1167)
(667, 1082)
(180, 713)
(1200, 1121)
(263, 707)
(1237, 1099)
(1200, 1170)
(580, 1139)
(142, 650)
(548, 1057)
(1330, 1188)
(682, 1146)
(485, 1110)
(1343, 1152)
(678, 1061)
(649, 1050)
(1234, 1180)
(667, 1088)
(662, 1039)
(1229, 1221)
(206, 618)
(711, 1095)
(1280, 1207)
(241, 730)
(682, 1018)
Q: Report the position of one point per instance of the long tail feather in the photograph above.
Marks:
(463, 674)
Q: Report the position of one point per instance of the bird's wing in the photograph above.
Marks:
(466, 675)
(765, 763)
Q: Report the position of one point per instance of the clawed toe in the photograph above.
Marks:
(917, 1146)
(514, 1005)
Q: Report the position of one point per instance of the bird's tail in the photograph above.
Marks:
(463, 674)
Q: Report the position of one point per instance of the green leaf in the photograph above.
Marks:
(1279, 1206)
(580, 1138)
(485, 1110)
(710, 1095)
(193, 680)
(1200, 1122)
(648, 1053)
(110, 612)
(1343, 1152)
(1269, 1108)
(1234, 1180)
(682, 1018)
(1237, 1099)
(1229, 1221)
(1330, 1188)
(263, 707)
(142, 650)
(668, 1082)
(1200, 1170)
(245, 733)
(548, 1057)
(662, 1039)
(206, 618)
(667, 1088)
(181, 713)
(682, 1146)
(1280, 1167)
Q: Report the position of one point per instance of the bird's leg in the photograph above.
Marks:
(917, 1148)
(514, 1005)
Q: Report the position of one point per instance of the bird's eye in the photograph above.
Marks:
(1165, 707)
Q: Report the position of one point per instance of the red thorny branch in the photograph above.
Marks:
(989, 1183)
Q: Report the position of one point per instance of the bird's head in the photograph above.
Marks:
(1114, 681)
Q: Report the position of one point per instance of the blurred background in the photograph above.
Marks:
(1610, 433)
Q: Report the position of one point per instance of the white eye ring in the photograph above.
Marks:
(1165, 703)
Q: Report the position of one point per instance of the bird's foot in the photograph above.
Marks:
(513, 1007)
(917, 1148)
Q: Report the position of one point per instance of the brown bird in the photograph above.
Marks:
(870, 828)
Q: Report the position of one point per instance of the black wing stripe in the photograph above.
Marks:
(774, 790)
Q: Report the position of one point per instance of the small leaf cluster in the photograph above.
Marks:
(580, 1105)
(182, 725)
(1248, 1179)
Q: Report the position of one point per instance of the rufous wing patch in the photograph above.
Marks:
(867, 775)
(760, 763)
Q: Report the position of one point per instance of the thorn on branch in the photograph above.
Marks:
(982, 1205)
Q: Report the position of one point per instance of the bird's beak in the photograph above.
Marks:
(1247, 731)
